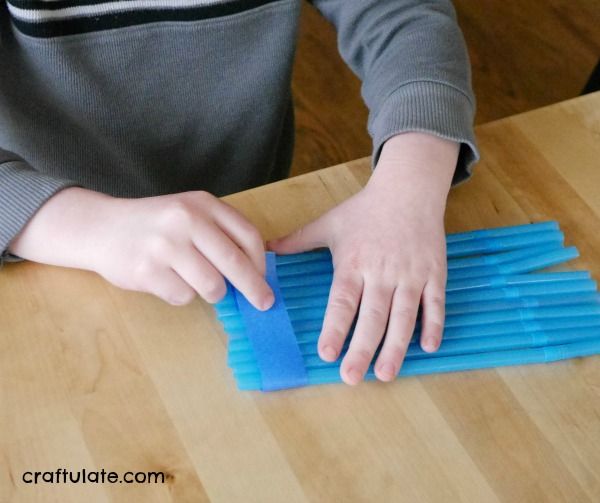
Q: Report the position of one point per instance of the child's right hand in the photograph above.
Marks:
(173, 246)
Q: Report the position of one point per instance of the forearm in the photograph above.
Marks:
(65, 230)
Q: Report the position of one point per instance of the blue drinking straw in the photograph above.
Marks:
(326, 278)
(303, 317)
(527, 264)
(523, 340)
(554, 284)
(477, 361)
(321, 254)
(304, 268)
(514, 327)
(520, 302)
(513, 280)
(457, 347)
(243, 361)
(502, 231)
(318, 296)
(461, 290)
(241, 350)
(502, 243)
(524, 290)
(294, 298)
(522, 314)
(502, 257)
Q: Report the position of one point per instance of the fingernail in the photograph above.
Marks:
(354, 376)
(329, 353)
(388, 370)
(431, 344)
(268, 302)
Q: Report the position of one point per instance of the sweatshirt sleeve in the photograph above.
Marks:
(22, 191)
(411, 58)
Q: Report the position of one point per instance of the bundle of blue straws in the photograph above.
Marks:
(499, 311)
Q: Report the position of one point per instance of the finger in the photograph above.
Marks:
(401, 325)
(197, 272)
(170, 287)
(342, 305)
(242, 233)
(235, 265)
(432, 319)
(309, 237)
(370, 327)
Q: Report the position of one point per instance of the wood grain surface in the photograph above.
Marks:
(95, 377)
(524, 55)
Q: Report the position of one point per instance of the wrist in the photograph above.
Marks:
(417, 168)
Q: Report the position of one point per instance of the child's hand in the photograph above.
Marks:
(389, 254)
(174, 246)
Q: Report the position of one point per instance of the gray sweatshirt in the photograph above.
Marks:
(145, 97)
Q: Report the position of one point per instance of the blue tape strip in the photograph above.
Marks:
(273, 339)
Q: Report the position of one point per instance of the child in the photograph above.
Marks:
(119, 120)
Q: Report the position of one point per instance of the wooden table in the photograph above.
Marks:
(94, 377)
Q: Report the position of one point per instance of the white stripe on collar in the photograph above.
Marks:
(43, 15)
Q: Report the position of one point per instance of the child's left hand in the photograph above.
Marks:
(389, 254)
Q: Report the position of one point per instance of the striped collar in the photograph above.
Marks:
(51, 18)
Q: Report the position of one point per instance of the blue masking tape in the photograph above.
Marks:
(273, 339)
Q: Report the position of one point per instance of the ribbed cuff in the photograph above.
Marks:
(22, 191)
(428, 107)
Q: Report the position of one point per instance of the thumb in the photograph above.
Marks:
(309, 237)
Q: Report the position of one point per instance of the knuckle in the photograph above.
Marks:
(433, 326)
(333, 336)
(233, 257)
(203, 197)
(407, 296)
(437, 300)
(411, 291)
(254, 235)
(352, 262)
(363, 355)
(404, 311)
(158, 245)
(343, 302)
(251, 235)
(143, 272)
(346, 284)
(176, 213)
(378, 264)
(373, 312)
(179, 298)
(213, 290)
(185, 297)
(395, 352)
